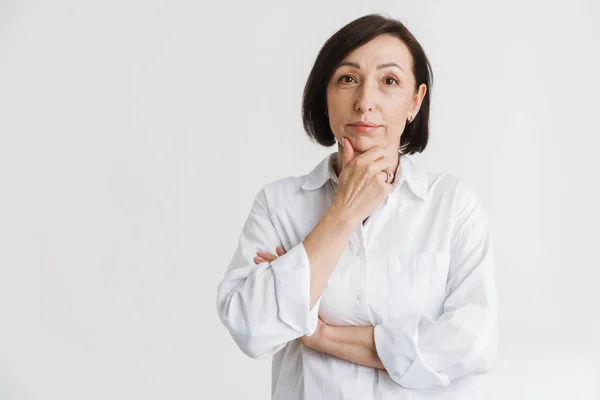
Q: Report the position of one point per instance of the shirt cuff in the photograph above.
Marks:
(292, 289)
(396, 345)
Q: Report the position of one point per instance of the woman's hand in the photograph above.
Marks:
(362, 182)
(263, 256)
(317, 339)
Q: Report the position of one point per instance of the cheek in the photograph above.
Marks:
(396, 109)
(396, 117)
(395, 114)
(337, 103)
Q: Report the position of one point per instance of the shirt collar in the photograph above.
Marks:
(417, 180)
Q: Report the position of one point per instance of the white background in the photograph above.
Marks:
(134, 136)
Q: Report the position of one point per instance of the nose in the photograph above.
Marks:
(366, 98)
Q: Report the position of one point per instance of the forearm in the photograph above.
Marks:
(324, 246)
(352, 343)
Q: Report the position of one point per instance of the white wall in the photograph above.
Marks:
(134, 135)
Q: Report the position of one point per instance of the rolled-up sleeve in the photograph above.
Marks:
(420, 352)
(265, 306)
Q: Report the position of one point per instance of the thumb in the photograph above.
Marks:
(348, 151)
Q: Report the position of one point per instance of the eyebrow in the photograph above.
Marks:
(380, 66)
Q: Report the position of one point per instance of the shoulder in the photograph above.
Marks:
(451, 185)
(465, 201)
(456, 195)
(294, 190)
(278, 193)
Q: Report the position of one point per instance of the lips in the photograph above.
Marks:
(364, 127)
(365, 124)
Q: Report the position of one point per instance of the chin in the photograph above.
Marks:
(364, 142)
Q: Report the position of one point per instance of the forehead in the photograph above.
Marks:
(383, 48)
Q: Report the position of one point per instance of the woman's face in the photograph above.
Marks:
(374, 84)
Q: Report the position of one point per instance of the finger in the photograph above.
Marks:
(259, 260)
(374, 153)
(382, 164)
(267, 256)
(348, 154)
(280, 251)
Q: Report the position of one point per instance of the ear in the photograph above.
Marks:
(418, 99)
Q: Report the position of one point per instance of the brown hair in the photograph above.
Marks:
(336, 48)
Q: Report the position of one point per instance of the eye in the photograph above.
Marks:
(346, 79)
(390, 80)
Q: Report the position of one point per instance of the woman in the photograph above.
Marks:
(366, 278)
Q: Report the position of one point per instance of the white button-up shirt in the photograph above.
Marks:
(420, 270)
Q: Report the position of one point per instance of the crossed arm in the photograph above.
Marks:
(352, 343)
(267, 303)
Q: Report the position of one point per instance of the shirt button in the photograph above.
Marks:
(360, 296)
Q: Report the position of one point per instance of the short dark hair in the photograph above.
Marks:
(336, 48)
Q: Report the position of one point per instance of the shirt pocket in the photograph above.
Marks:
(417, 284)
